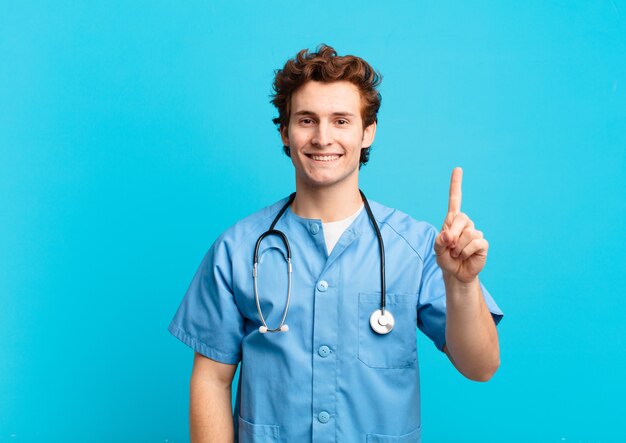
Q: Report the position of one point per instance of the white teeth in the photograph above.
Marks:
(324, 158)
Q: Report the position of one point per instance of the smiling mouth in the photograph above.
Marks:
(324, 158)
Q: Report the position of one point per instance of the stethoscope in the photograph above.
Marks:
(381, 319)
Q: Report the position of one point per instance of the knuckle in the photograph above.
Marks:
(471, 233)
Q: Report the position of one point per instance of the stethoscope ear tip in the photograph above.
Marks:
(283, 328)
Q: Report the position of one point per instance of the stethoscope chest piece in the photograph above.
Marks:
(382, 324)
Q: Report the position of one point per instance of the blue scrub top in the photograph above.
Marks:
(330, 378)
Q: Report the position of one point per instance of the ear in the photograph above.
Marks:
(284, 135)
(368, 135)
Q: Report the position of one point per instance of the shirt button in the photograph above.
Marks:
(323, 351)
(322, 286)
(323, 417)
(315, 228)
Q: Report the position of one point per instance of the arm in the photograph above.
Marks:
(210, 407)
(471, 336)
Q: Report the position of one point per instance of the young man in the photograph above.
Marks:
(325, 357)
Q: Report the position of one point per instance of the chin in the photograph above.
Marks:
(320, 183)
(323, 182)
(318, 178)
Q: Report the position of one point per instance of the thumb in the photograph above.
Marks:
(440, 245)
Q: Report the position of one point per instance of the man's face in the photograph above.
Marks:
(326, 133)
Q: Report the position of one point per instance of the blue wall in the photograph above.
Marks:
(133, 133)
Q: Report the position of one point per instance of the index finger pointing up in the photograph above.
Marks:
(454, 202)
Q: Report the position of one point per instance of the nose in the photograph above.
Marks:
(323, 135)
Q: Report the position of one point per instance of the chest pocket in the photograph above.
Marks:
(398, 348)
(254, 433)
(411, 437)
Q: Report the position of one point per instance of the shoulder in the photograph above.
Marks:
(248, 229)
(418, 234)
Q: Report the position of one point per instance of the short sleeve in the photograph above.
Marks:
(208, 319)
(431, 308)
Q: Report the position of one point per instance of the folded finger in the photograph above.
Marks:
(466, 237)
(478, 246)
(460, 222)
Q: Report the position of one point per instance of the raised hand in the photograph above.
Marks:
(461, 249)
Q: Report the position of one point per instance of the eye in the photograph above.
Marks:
(342, 122)
(306, 121)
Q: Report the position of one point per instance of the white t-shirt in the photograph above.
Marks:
(333, 230)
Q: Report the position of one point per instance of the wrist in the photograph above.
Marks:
(452, 283)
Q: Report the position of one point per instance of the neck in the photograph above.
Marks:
(327, 203)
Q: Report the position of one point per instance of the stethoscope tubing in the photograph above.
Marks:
(380, 323)
(383, 285)
(272, 231)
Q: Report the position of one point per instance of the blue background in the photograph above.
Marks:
(133, 133)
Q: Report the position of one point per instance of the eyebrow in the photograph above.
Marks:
(340, 114)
